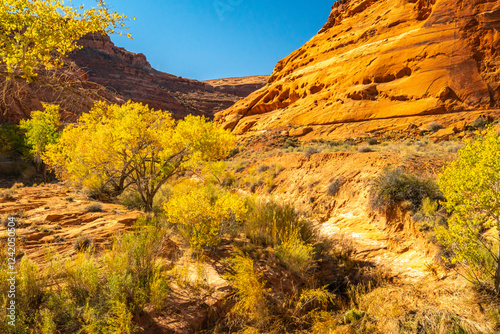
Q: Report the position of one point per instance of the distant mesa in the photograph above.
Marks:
(377, 62)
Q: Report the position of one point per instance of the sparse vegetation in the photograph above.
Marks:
(434, 127)
(83, 243)
(334, 187)
(310, 151)
(364, 149)
(96, 207)
(394, 187)
(480, 122)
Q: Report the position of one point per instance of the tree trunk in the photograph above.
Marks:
(497, 273)
(149, 203)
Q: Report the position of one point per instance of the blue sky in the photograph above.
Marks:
(208, 39)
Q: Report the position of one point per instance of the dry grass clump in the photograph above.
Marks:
(8, 194)
(96, 207)
(91, 294)
(364, 149)
(83, 243)
(334, 187)
(434, 127)
(407, 309)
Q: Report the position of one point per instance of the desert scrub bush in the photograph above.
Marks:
(116, 319)
(334, 186)
(95, 207)
(250, 291)
(7, 194)
(295, 254)
(430, 215)
(393, 187)
(130, 267)
(203, 214)
(268, 222)
(434, 127)
(372, 141)
(83, 278)
(159, 291)
(262, 168)
(83, 243)
(480, 122)
(364, 149)
(310, 150)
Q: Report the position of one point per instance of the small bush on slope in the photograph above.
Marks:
(204, 213)
(393, 187)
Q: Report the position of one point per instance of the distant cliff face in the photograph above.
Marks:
(124, 75)
(130, 76)
(241, 87)
(377, 60)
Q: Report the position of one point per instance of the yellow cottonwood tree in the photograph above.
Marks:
(115, 147)
(36, 35)
(471, 186)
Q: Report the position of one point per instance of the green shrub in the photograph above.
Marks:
(130, 267)
(480, 122)
(352, 316)
(48, 325)
(12, 139)
(393, 187)
(82, 278)
(159, 291)
(31, 285)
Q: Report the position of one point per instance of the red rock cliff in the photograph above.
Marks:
(123, 75)
(381, 59)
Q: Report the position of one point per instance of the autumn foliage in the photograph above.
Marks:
(117, 147)
(37, 35)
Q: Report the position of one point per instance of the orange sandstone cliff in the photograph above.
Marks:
(377, 60)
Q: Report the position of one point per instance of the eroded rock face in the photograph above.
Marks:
(382, 59)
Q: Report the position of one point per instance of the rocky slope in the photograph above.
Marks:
(376, 60)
